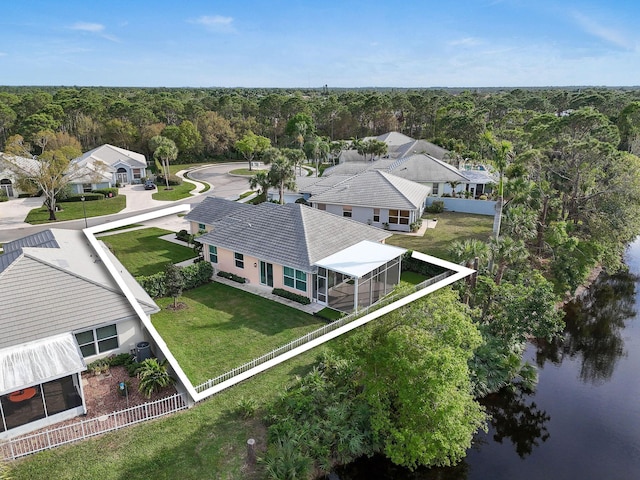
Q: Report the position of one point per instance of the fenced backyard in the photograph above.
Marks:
(318, 333)
(80, 430)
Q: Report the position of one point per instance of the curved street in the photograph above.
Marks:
(13, 212)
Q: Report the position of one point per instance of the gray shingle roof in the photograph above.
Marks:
(376, 188)
(293, 234)
(44, 239)
(212, 209)
(424, 168)
(111, 155)
(47, 290)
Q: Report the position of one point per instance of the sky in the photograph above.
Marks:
(308, 44)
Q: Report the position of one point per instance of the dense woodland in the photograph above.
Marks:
(570, 189)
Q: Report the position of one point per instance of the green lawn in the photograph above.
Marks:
(143, 253)
(224, 327)
(73, 210)
(176, 192)
(243, 171)
(451, 227)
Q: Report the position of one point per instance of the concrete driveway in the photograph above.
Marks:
(13, 212)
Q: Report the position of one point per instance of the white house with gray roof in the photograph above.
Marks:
(327, 258)
(61, 309)
(107, 166)
(376, 198)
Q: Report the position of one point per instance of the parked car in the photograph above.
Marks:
(149, 185)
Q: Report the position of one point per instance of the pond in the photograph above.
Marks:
(583, 420)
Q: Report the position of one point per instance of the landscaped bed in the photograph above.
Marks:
(223, 327)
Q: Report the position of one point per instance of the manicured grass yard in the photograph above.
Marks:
(224, 327)
(177, 192)
(451, 226)
(143, 253)
(73, 210)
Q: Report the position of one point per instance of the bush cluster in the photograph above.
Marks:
(3, 196)
(281, 292)
(173, 180)
(184, 236)
(193, 275)
(410, 264)
(106, 191)
(232, 276)
(436, 207)
(88, 197)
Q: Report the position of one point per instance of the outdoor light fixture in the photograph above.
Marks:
(84, 210)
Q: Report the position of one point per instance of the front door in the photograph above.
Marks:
(266, 274)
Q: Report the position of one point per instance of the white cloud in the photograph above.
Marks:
(87, 27)
(608, 34)
(465, 42)
(216, 23)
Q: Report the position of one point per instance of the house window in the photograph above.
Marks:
(86, 187)
(399, 217)
(137, 173)
(295, 279)
(201, 226)
(322, 206)
(376, 215)
(213, 254)
(239, 260)
(346, 211)
(98, 340)
(435, 188)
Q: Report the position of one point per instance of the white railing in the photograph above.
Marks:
(315, 334)
(54, 437)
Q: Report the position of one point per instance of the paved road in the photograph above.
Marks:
(224, 185)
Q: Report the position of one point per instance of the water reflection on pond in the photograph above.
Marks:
(583, 420)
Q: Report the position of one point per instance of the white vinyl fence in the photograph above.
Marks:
(80, 430)
(315, 334)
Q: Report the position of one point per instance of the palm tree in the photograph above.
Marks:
(282, 175)
(506, 251)
(467, 251)
(166, 152)
(260, 181)
(501, 153)
(295, 156)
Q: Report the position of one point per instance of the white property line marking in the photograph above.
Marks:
(461, 272)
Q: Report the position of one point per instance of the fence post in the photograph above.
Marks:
(251, 451)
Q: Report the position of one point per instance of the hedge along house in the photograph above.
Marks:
(60, 310)
(108, 166)
(327, 258)
(376, 198)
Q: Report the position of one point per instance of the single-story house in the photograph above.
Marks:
(11, 168)
(330, 259)
(61, 309)
(376, 198)
(107, 166)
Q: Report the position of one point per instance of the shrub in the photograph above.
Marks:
(133, 367)
(3, 196)
(197, 274)
(415, 226)
(232, 276)
(436, 207)
(184, 236)
(153, 376)
(281, 292)
(173, 180)
(194, 275)
(410, 264)
(88, 197)
(106, 191)
(121, 359)
(482, 197)
(99, 366)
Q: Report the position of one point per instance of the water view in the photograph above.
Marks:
(583, 420)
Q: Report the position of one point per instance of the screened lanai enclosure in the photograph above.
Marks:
(40, 383)
(358, 276)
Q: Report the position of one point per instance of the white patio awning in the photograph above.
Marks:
(38, 362)
(361, 258)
